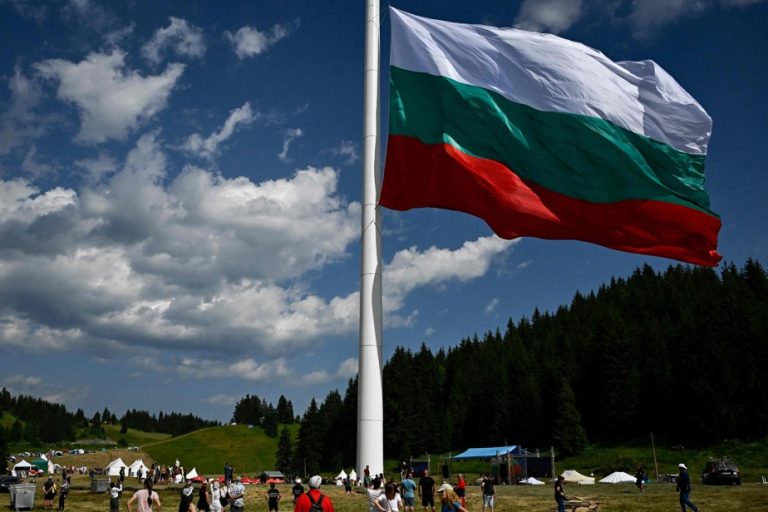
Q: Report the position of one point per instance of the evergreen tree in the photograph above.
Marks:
(284, 455)
(569, 435)
(17, 431)
(284, 410)
(4, 451)
(269, 422)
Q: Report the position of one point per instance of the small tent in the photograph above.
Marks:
(342, 475)
(572, 476)
(138, 464)
(618, 477)
(590, 480)
(192, 474)
(353, 476)
(21, 468)
(532, 481)
(113, 468)
(41, 464)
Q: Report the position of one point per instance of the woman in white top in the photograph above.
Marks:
(390, 500)
(215, 497)
(115, 489)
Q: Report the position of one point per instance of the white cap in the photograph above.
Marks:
(682, 466)
(298, 480)
(315, 481)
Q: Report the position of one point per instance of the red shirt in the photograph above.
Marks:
(304, 505)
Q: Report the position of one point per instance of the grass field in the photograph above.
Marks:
(612, 498)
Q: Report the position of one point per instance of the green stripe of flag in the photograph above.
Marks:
(580, 156)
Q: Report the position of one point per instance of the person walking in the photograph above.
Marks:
(314, 498)
(684, 488)
(449, 500)
(145, 499)
(640, 479)
(426, 491)
(560, 493)
(489, 493)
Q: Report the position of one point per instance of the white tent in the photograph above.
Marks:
(192, 474)
(353, 476)
(137, 465)
(618, 477)
(590, 480)
(342, 475)
(532, 481)
(113, 468)
(572, 476)
(22, 466)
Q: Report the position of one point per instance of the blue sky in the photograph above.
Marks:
(180, 192)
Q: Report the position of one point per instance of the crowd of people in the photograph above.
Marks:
(228, 493)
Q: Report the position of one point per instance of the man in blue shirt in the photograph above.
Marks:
(409, 491)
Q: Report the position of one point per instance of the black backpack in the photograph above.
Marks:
(316, 507)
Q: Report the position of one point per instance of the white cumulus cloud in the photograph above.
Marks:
(111, 100)
(184, 39)
(249, 41)
(554, 16)
(208, 147)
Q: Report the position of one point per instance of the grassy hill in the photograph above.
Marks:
(249, 450)
(7, 420)
(133, 437)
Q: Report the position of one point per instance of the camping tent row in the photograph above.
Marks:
(343, 474)
(617, 477)
(113, 468)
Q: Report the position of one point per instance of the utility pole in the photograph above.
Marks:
(655, 464)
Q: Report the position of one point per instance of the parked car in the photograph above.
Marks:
(6, 480)
(721, 471)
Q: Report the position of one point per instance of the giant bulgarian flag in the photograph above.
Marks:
(545, 137)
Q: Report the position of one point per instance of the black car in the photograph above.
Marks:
(6, 480)
(721, 471)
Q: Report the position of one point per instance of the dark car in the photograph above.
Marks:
(6, 480)
(721, 471)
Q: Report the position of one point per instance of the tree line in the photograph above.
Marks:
(681, 353)
(39, 422)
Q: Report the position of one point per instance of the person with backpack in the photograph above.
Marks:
(313, 500)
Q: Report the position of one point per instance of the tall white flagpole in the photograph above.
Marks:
(370, 402)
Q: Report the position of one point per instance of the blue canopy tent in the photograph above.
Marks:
(489, 453)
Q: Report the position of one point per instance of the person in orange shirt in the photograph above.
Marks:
(461, 489)
(313, 500)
